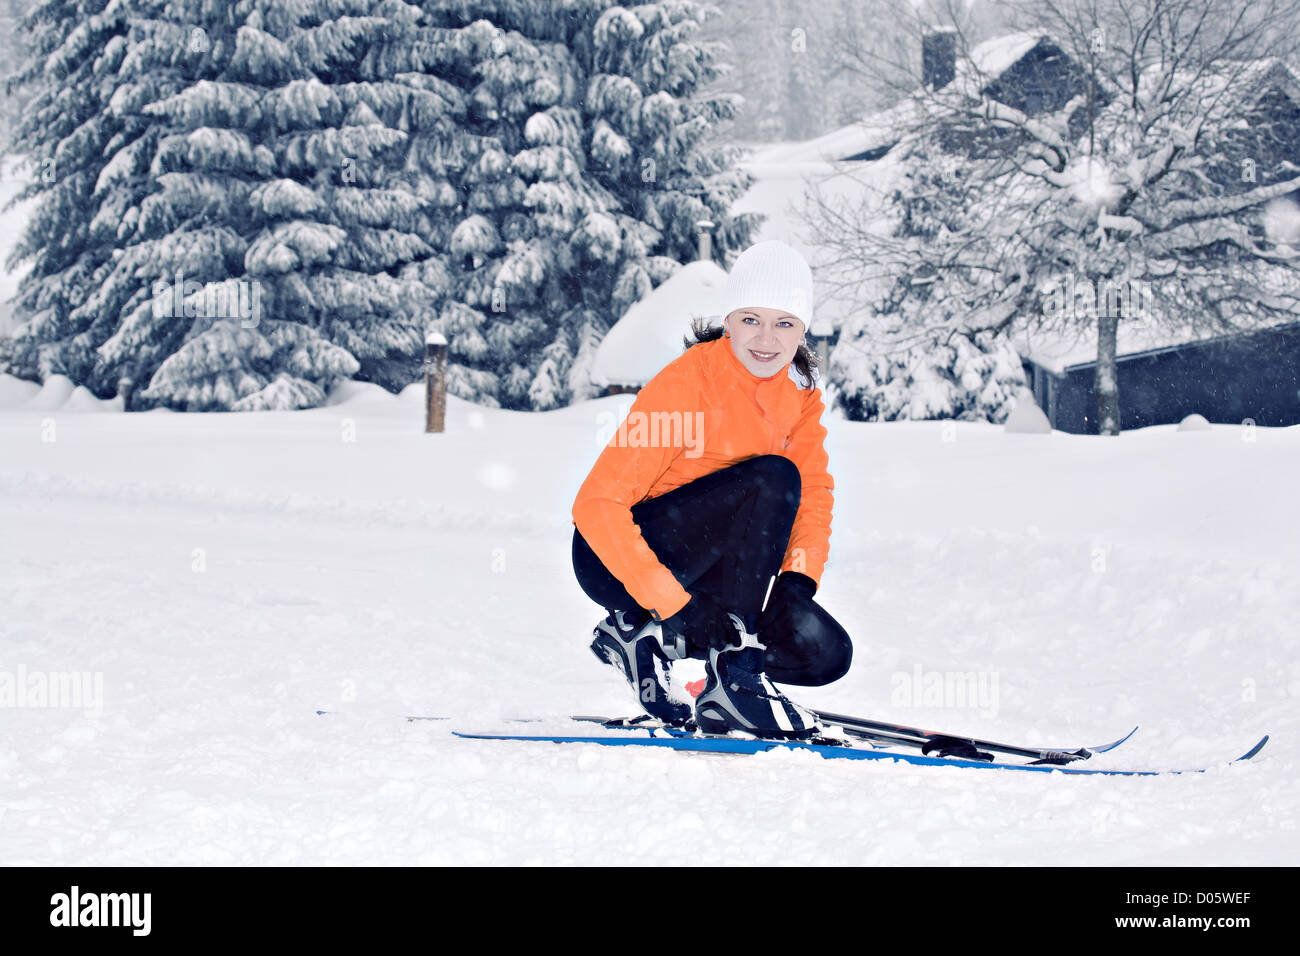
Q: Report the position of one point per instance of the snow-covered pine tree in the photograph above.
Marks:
(971, 378)
(590, 332)
(279, 168)
(67, 134)
(909, 356)
(255, 207)
(175, 238)
(581, 161)
(361, 175)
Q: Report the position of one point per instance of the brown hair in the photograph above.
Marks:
(804, 361)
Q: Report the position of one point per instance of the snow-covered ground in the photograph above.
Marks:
(226, 575)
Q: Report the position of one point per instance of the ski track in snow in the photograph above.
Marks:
(404, 573)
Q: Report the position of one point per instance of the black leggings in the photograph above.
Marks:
(726, 534)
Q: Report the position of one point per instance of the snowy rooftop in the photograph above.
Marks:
(994, 57)
(649, 335)
(786, 171)
(991, 59)
(1057, 352)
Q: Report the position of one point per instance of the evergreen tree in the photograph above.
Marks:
(590, 332)
(581, 168)
(253, 201)
(251, 216)
(65, 133)
(279, 164)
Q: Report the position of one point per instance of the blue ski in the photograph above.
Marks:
(876, 732)
(679, 740)
(899, 735)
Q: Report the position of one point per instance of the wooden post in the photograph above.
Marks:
(705, 249)
(435, 382)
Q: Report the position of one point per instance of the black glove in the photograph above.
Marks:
(785, 607)
(792, 582)
(704, 625)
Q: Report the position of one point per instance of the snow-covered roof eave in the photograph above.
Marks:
(994, 57)
(1063, 356)
(880, 129)
(1274, 73)
(986, 62)
(649, 334)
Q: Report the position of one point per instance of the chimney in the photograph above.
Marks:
(706, 246)
(938, 57)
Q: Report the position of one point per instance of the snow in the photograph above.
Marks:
(988, 60)
(1027, 419)
(17, 391)
(994, 57)
(991, 58)
(1093, 183)
(1282, 221)
(54, 392)
(878, 130)
(229, 574)
(366, 393)
(650, 333)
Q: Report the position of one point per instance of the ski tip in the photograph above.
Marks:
(1113, 744)
(1255, 749)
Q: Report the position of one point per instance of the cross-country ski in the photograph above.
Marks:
(840, 750)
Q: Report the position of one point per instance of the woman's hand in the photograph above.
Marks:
(792, 582)
(779, 620)
(704, 625)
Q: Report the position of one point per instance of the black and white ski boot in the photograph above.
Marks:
(738, 696)
(633, 643)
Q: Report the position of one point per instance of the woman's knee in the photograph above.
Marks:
(818, 652)
(835, 658)
(776, 470)
(594, 578)
(774, 476)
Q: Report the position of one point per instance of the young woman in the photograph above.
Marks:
(716, 481)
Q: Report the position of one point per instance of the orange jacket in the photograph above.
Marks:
(704, 411)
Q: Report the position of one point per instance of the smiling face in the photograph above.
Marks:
(765, 340)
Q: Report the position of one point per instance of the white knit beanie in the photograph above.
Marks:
(770, 275)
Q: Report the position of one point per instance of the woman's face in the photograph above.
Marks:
(765, 340)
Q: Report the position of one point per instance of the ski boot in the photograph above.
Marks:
(633, 643)
(737, 695)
